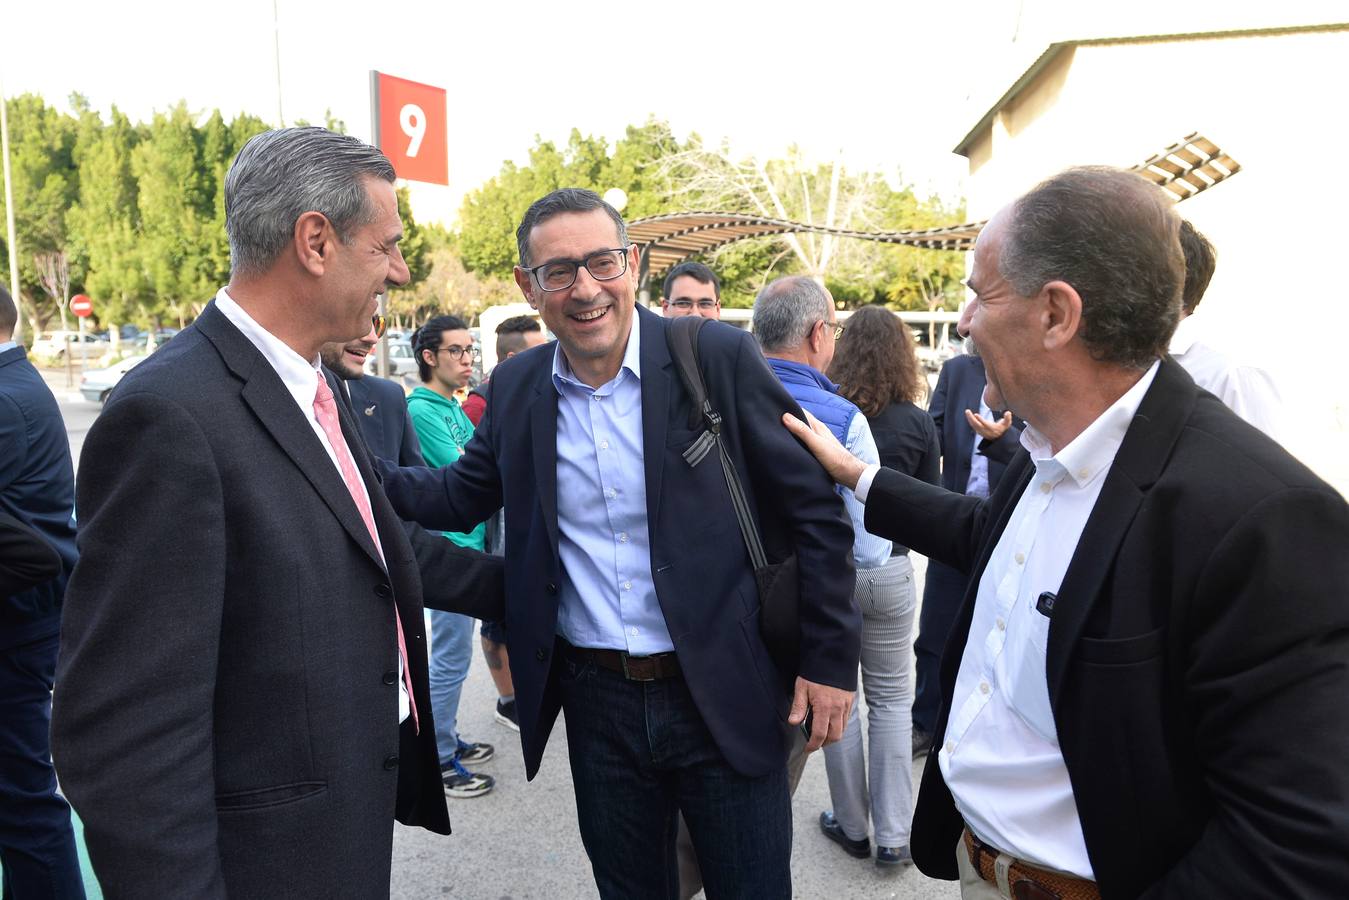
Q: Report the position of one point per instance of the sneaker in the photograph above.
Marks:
(461, 783)
(893, 856)
(860, 849)
(506, 715)
(474, 753)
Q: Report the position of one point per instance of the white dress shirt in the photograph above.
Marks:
(1248, 391)
(300, 377)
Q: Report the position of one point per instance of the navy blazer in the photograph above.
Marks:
(37, 487)
(960, 387)
(381, 408)
(702, 575)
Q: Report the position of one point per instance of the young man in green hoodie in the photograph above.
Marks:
(444, 351)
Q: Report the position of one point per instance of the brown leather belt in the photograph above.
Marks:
(1026, 881)
(634, 668)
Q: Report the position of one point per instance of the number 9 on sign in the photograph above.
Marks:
(413, 120)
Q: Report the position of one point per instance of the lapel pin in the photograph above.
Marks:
(370, 410)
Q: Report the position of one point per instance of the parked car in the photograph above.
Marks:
(95, 385)
(401, 360)
(52, 345)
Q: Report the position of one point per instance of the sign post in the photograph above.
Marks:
(82, 307)
(409, 123)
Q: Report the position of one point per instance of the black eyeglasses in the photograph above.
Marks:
(381, 324)
(456, 351)
(560, 274)
(686, 305)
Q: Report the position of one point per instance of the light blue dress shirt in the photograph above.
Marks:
(607, 598)
(869, 551)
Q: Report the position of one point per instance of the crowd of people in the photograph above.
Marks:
(1133, 645)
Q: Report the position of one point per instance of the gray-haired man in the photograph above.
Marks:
(243, 703)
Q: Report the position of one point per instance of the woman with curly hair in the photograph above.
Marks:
(876, 368)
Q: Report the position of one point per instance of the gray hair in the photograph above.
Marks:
(280, 175)
(1114, 237)
(787, 309)
(565, 200)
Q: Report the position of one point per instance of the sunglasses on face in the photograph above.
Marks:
(381, 324)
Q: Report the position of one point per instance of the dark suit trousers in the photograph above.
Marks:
(37, 843)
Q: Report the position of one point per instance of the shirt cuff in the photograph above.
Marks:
(864, 482)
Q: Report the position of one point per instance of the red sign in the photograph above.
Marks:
(411, 127)
(81, 306)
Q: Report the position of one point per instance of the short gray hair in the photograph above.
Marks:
(280, 175)
(1114, 237)
(565, 200)
(787, 309)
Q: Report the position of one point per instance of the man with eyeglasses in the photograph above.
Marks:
(444, 351)
(691, 289)
(630, 600)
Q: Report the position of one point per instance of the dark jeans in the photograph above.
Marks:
(37, 843)
(639, 753)
(944, 587)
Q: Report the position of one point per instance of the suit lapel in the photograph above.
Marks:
(267, 396)
(1141, 458)
(656, 412)
(543, 434)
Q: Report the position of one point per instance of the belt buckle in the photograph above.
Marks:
(627, 672)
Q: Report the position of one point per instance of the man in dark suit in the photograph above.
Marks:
(37, 492)
(976, 445)
(631, 603)
(1144, 690)
(242, 705)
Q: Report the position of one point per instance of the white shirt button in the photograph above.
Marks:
(623, 537)
(950, 746)
(1045, 487)
(1083, 474)
(611, 493)
(627, 585)
(633, 631)
(1021, 559)
(1002, 626)
(983, 687)
(604, 445)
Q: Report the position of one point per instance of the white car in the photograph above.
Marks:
(97, 384)
(401, 360)
(52, 345)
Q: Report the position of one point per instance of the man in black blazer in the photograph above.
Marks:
(630, 600)
(1144, 691)
(242, 707)
(957, 398)
(378, 404)
(37, 493)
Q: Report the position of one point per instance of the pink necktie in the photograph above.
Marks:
(325, 408)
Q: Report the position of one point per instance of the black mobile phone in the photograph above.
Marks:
(808, 722)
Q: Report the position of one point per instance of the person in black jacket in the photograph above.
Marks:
(37, 492)
(876, 368)
(1145, 685)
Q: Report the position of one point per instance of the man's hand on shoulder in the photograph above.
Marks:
(829, 708)
(841, 465)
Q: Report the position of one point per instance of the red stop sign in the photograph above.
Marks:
(81, 305)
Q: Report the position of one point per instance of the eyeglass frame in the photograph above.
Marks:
(685, 303)
(576, 265)
(455, 351)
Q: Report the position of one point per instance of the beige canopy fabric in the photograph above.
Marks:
(1185, 168)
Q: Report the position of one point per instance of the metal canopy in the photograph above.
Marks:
(1185, 168)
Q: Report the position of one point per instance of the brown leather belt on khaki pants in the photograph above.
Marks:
(1027, 882)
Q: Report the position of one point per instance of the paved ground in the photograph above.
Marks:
(521, 842)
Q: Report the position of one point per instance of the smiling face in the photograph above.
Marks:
(591, 319)
(348, 359)
(1001, 324)
(363, 266)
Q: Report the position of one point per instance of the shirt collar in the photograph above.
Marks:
(1091, 452)
(297, 374)
(1186, 333)
(562, 373)
(8, 345)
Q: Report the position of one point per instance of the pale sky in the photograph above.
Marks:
(890, 85)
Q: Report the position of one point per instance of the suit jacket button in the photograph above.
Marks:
(552, 588)
(390, 763)
(390, 677)
(540, 654)
(383, 591)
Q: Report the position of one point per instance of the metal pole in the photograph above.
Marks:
(9, 218)
(276, 39)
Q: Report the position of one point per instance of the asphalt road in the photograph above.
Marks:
(520, 841)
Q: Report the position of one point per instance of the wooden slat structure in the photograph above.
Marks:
(1185, 168)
